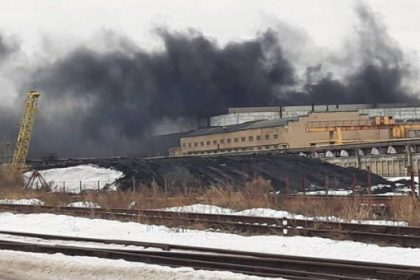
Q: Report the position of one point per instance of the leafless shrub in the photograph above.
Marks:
(10, 178)
(253, 194)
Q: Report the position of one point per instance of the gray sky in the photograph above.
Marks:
(65, 23)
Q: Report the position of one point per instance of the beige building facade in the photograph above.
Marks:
(275, 134)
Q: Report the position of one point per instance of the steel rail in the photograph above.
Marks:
(382, 234)
(259, 264)
(320, 224)
(177, 247)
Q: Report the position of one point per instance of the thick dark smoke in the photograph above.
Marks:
(192, 77)
(378, 78)
(94, 102)
(8, 115)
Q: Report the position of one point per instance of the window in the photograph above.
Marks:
(258, 137)
(184, 145)
(243, 139)
(267, 137)
(214, 142)
(229, 140)
(267, 147)
(276, 136)
(202, 143)
(208, 143)
(195, 144)
(189, 145)
(222, 141)
(251, 138)
(236, 140)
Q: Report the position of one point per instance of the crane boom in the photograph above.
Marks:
(396, 130)
(25, 131)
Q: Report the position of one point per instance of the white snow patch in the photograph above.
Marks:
(408, 178)
(51, 267)
(31, 201)
(85, 204)
(406, 189)
(330, 192)
(201, 208)
(74, 179)
(402, 192)
(266, 212)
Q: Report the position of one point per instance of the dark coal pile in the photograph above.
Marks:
(191, 172)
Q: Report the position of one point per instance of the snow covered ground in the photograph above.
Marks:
(303, 246)
(42, 266)
(266, 212)
(23, 266)
(72, 179)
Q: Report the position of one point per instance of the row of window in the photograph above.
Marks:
(259, 148)
(235, 140)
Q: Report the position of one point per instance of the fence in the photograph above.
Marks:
(76, 186)
(290, 184)
(330, 187)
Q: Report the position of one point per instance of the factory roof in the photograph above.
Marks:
(323, 108)
(232, 128)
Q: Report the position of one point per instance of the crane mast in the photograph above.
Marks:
(25, 131)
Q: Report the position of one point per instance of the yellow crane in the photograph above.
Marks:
(396, 130)
(25, 131)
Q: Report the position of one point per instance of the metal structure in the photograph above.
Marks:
(396, 130)
(25, 131)
(31, 181)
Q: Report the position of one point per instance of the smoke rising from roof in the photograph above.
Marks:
(94, 100)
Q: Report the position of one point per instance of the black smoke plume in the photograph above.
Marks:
(378, 77)
(96, 102)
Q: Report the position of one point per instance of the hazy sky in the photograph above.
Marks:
(65, 23)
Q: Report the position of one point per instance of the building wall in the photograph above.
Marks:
(293, 135)
(161, 145)
(262, 138)
(383, 165)
(173, 126)
(242, 117)
(297, 136)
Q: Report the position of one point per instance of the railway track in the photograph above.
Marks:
(365, 199)
(248, 225)
(250, 263)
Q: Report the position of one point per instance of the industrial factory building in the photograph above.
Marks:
(383, 138)
(310, 130)
(262, 128)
